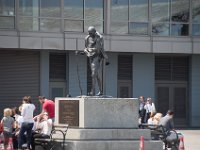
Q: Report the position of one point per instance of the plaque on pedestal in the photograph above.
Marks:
(69, 112)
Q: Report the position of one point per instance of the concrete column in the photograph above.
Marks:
(194, 91)
(143, 75)
(44, 73)
(107, 16)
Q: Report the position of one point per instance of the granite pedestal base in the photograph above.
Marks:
(103, 124)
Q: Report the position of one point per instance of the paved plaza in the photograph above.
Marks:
(191, 138)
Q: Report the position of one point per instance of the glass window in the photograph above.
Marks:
(196, 29)
(138, 10)
(73, 12)
(74, 25)
(159, 28)
(7, 22)
(160, 17)
(179, 29)
(119, 27)
(180, 16)
(29, 8)
(94, 14)
(73, 9)
(129, 16)
(196, 17)
(57, 92)
(52, 25)
(28, 24)
(50, 8)
(98, 24)
(138, 28)
(7, 7)
(119, 10)
(180, 11)
(196, 11)
(160, 10)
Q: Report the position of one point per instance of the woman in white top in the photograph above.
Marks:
(150, 109)
(27, 122)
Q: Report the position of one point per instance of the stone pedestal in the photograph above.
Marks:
(102, 124)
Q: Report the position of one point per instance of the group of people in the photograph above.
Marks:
(149, 115)
(23, 127)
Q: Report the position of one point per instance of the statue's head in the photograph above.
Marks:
(91, 30)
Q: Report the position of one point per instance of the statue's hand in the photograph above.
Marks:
(107, 63)
(76, 52)
(79, 52)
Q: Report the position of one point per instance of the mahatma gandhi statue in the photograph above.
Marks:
(94, 50)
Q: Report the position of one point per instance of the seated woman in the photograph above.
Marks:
(151, 119)
(157, 118)
(43, 127)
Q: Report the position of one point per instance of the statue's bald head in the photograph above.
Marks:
(91, 30)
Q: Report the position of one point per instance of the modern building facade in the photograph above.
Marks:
(153, 48)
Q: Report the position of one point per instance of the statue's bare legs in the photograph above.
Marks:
(95, 64)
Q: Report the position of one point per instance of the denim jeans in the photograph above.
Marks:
(25, 127)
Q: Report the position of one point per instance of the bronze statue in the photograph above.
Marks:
(94, 50)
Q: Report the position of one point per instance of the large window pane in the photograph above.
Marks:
(50, 25)
(73, 9)
(138, 28)
(94, 14)
(7, 7)
(50, 8)
(160, 10)
(180, 11)
(73, 25)
(119, 27)
(29, 8)
(196, 11)
(119, 10)
(160, 29)
(179, 29)
(196, 29)
(98, 24)
(7, 22)
(28, 24)
(138, 10)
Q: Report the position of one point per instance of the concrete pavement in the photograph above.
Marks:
(191, 138)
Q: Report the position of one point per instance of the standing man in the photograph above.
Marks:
(47, 106)
(94, 49)
(142, 111)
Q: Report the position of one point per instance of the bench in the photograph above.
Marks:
(158, 132)
(54, 142)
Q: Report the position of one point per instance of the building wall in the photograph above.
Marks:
(114, 43)
(143, 75)
(79, 61)
(195, 94)
(111, 75)
(19, 77)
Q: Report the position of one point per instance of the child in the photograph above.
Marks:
(8, 123)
